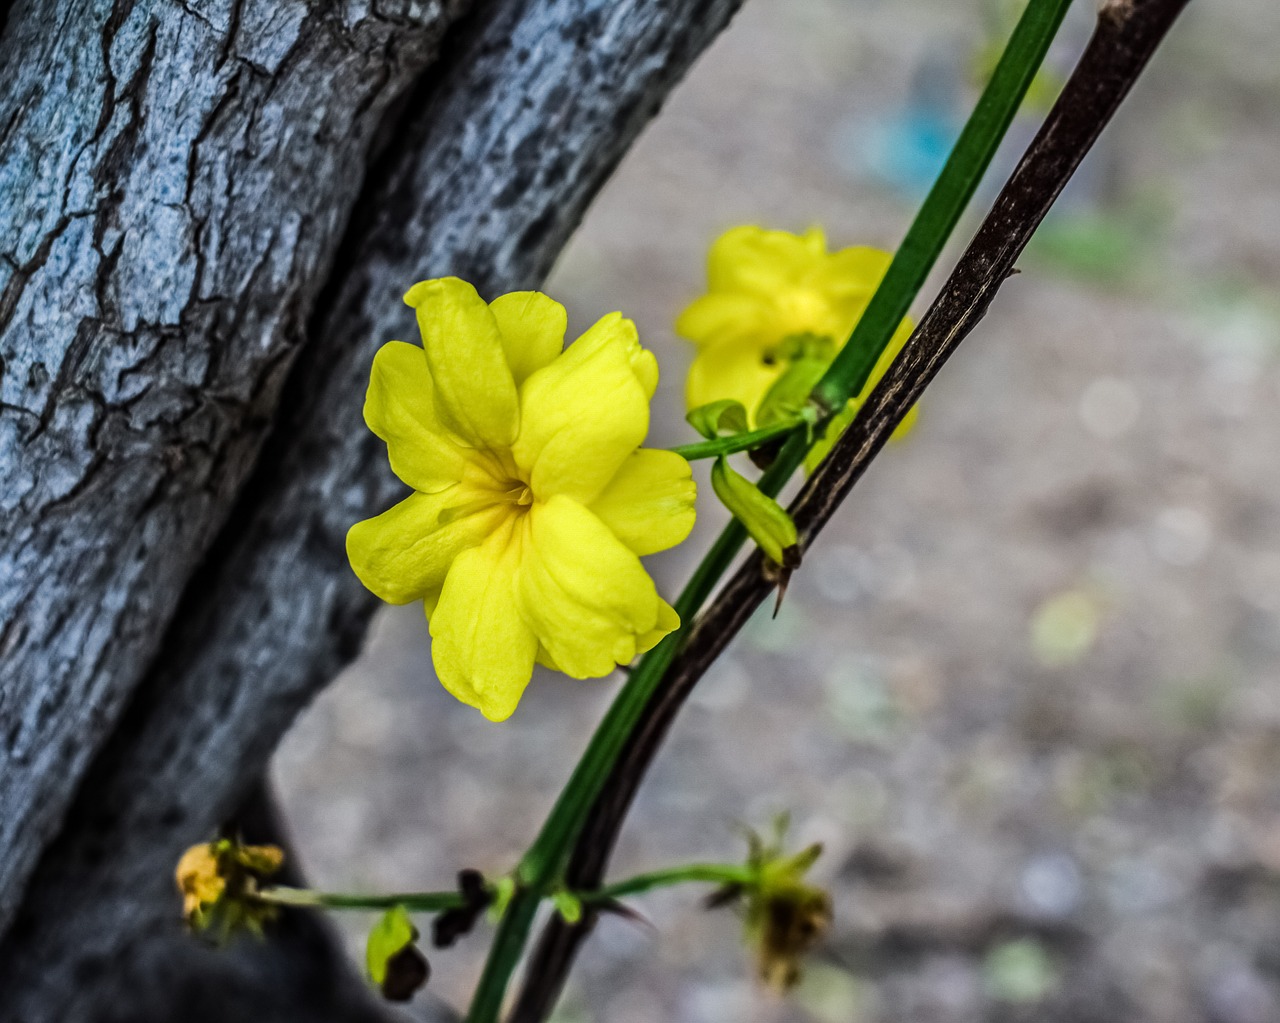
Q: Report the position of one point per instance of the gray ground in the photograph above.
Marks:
(1027, 689)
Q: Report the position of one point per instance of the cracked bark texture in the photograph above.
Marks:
(209, 213)
(174, 182)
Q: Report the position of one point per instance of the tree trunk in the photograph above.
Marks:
(208, 214)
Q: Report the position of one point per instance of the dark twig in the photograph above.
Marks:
(1127, 34)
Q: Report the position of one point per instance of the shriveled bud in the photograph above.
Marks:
(396, 966)
(219, 881)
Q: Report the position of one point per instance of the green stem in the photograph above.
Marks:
(504, 954)
(546, 856)
(414, 902)
(942, 207)
(545, 859)
(738, 442)
(708, 873)
(542, 864)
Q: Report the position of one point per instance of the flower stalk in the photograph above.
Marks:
(748, 441)
(696, 873)
(413, 902)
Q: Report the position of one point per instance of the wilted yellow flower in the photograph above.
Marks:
(774, 298)
(785, 915)
(533, 500)
(785, 918)
(218, 881)
(199, 879)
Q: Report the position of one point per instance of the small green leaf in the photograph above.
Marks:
(568, 905)
(719, 418)
(395, 965)
(503, 889)
(766, 520)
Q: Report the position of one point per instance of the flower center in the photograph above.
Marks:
(809, 348)
(803, 308)
(516, 492)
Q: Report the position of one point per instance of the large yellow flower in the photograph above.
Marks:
(765, 291)
(533, 499)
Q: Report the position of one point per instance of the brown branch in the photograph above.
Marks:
(1127, 34)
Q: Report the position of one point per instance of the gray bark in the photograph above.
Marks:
(154, 548)
(174, 180)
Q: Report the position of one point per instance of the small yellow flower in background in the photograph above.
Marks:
(533, 499)
(199, 880)
(772, 298)
(218, 880)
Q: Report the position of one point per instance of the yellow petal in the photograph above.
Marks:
(614, 328)
(907, 425)
(753, 259)
(399, 407)
(481, 647)
(474, 389)
(649, 503)
(546, 660)
(834, 294)
(841, 422)
(668, 622)
(199, 878)
(586, 596)
(582, 416)
(727, 317)
(729, 371)
(900, 338)
(404, 553)
(532, 327)
(815, 240)
(852, 273)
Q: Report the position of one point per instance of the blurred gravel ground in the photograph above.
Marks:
(1027, 688)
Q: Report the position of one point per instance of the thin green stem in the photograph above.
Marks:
(504, 955)
(415, 902)
(848, 374)
(738, 442)
(706, 873)
(547, 854)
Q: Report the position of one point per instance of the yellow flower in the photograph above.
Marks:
(218, 881)
(770, 296)
(199, 879)
(533, 500)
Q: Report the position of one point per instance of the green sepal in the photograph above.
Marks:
(503, 889)
(568, 905)
(717, 419)
(766, 520)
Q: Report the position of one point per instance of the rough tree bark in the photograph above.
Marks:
(208, 212)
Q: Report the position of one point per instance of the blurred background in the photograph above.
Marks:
(1026, 688)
